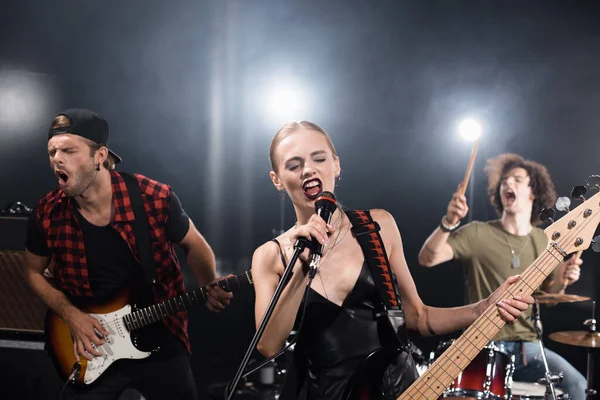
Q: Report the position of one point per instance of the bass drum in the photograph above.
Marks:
(533, 391)
(488, 376)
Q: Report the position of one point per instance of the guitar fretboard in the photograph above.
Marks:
(149, 315)
(459, 355)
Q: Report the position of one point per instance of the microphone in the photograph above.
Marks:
(325, 207)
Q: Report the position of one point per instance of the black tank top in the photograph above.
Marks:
(333, 340)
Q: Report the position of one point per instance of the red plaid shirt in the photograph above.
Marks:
(57, 219)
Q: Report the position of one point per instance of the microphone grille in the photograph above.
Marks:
(326, 200)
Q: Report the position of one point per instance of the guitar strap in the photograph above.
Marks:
(389, 312)
(141, 228)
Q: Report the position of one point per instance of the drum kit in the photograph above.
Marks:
(489, 376)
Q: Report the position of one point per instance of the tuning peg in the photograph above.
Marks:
(563, 203)
(593, 182)
(547, 214)
(579, 192)
(596, 244)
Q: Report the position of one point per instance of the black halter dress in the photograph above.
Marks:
(333, 340)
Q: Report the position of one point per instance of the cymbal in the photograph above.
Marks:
(547, 298)
(577, 338)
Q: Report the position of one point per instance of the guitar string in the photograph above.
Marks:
(243, 278)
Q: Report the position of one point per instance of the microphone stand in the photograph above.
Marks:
(287, 274)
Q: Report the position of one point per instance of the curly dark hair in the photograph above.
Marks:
(540, 182)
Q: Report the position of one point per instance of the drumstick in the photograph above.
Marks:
(565, 284)
(465, 182)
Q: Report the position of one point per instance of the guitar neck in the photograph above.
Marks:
(459, 355)
(149, 315)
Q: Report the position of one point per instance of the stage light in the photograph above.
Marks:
(469, 129)
(25, 98)
(285, 101)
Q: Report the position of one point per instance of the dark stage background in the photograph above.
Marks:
(187, 89)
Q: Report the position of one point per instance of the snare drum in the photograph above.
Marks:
(533, 391)
(487, 377)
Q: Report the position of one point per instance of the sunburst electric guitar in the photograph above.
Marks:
(572, 232)
(121, 319)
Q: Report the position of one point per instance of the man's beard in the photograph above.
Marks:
(84, 179)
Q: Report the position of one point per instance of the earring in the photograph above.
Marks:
(98, 167)
(338, 179)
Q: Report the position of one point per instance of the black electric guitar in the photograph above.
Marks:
(120, 318)
(571, 233)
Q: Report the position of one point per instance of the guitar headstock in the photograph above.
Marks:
(575, 230)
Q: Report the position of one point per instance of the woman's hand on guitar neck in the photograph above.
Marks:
(86, 331)
(509, 308)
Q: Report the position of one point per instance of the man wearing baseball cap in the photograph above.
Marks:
(87, 228)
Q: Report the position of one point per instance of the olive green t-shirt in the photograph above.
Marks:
(484, 251)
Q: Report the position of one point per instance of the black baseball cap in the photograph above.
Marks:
(87, 124)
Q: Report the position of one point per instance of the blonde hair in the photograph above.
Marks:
(292, 127)
(61, 121)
